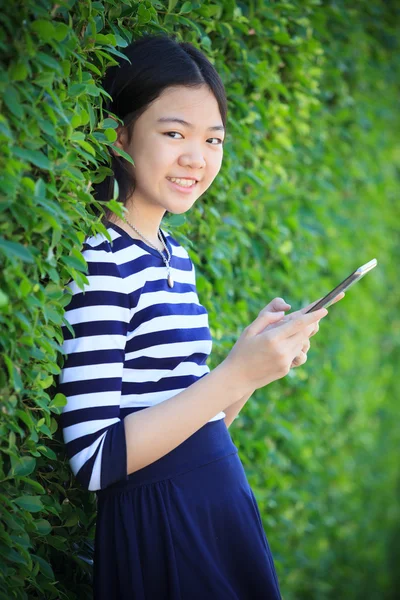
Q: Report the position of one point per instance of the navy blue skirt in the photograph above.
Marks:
(186, 527)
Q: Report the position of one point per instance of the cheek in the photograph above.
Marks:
(214, 165)
(152, 160)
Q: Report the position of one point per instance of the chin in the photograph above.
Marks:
(178, 211)
(178, 208)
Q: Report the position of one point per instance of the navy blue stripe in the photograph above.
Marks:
(85, 472)
(99, 267)
(90, 328)
(102, 269)
(89, 386)
(75, 446)
(139, 264)
(82, 415)
(181, 263)
(104, 246)
(163, 309)
(168, 383)
(103, 298)
(119, 243)
(169, 336)
(94, 357)
(158, 285)
(114, 459)
(148, 362)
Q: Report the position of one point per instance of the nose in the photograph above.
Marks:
(194, 159)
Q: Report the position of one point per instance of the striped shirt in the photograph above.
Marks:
(137, 343)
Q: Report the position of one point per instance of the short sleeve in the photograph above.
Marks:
(91, 377)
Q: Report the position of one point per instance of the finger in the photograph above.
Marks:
(300, 323)
(263, 321)
(315, 330)
(277, 305)
(306, 308)
(299, 360)
(338, 297)
(296, 343)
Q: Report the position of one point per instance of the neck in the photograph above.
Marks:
(145, 217)
(147, 234)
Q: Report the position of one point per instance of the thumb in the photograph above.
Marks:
(277, 305)
(264, 319)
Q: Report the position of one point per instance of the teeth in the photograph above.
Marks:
(183, 182)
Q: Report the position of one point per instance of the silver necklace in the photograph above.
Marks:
(166, 260)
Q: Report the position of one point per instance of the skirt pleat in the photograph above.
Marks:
(186, 527)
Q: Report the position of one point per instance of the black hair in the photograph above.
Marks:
(156, 62)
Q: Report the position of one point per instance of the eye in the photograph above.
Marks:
(219, 141)
(173, 133)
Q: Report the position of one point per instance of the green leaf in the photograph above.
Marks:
(44, 566)
(58, 401)
(144, 15)
(12, 100)
(36, 157)
(30, 503)
(111, 135)
(43, 526)
(44, 429)
(40, 188)
(18, 71)
(11, 555)
(35, 484)
(4, 299)
(46, 382)
(124, 154)
(112, 50)
(77, 89)
(44, 28)
(25, 417)
(109, 124)
(176, 220)
(86, 146)
(171, 5)
(186, 8)
(25, 466)
(75, 263)
(49, 61)
(14, 374)
(47, 452)
(72, 520)
(16, 250)
(61, 31)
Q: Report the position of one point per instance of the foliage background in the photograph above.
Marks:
(307, 193)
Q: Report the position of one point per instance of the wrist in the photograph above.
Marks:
(235, 382)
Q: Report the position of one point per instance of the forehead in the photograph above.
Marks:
(196, 105)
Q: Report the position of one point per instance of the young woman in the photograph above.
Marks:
(146, 423)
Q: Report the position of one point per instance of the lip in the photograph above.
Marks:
(181, 188)
(183, 177)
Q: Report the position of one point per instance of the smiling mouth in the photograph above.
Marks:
(182, 182)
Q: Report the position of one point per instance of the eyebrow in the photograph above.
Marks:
(186, 124)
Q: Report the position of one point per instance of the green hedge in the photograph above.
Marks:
(308, 192)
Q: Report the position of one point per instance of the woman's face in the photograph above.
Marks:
(179, 135)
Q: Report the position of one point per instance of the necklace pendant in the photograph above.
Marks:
(170, 280)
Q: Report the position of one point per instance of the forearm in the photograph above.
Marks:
(155, 431)
(233, 410)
